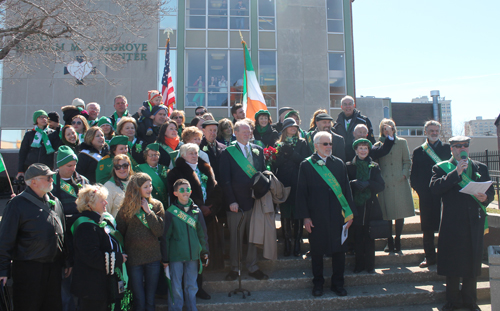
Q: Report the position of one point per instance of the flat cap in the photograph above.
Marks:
(323, 116)
(37, 169)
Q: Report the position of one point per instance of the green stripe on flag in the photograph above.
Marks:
(2, 166)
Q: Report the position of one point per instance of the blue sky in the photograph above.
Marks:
(405, 48)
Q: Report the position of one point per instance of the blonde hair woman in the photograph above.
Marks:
(121, 173)
(140, 220)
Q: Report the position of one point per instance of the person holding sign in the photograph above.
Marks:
(324, 201)
(463, 223)
(239, 163)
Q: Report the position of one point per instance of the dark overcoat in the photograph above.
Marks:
(29, 155)
(338, 148)
(348, 134)
(87, 164)
(268, 138)
(420, 177)
(213, 155)
(316, 200)
(460, 243)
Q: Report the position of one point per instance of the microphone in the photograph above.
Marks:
(464, 155)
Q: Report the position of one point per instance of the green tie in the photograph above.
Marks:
(249, 154)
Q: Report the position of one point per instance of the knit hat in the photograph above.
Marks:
(65, 155)
(361, 140)
(152, 94)
(283, 109)
(288, 115)
(155, 109)
(104, 120)
(118, 140)
(258, 113)
(78, 102)
(153, 146)
(53, 116)
(37, 114)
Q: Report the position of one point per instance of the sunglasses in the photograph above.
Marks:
(120, 166)
(182, 190)
(48, 178)
(77, 123)
(177, 117)
(326, 144)
(458, 146)
(200, 113)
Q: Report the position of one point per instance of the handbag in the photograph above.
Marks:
(379, 229)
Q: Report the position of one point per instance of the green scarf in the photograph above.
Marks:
(362, 174)
(292, 140)
(261, 130)
(40, 136)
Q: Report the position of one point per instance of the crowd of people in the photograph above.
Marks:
(133, 206)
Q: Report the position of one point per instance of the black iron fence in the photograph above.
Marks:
(490, 158)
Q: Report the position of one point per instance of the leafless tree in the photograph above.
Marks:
(37, 32)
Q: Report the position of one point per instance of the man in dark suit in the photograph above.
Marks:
(322, 208)
(211, 146)
(460, 243)
(324, 123)
(424, 158)
(238, 164)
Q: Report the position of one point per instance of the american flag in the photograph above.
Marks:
(167, 89)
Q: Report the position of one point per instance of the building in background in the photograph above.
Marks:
(480, 127)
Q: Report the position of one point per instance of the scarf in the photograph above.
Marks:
(261, 130)
(185, 207)
(362, 174)
(383, 138)
(292, 140)
(172, 142)
(40, 136)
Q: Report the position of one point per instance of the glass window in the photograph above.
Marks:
(386, 112)
(236, 71)
(217, 73)
(217, 14)
(267, 71)
(239, 14)
(334, 9)
(267, 40)
(195, 78)
(196, 13)
(11, 139)
(335, 25)
(217, 39)
(266, 8)
(267, 23)
(335, 101)
(336, 73)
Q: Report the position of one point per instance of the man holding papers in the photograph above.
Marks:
(463, 223)
(325, 203)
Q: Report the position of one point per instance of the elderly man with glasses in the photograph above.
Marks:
(32, 236)
(463, 223)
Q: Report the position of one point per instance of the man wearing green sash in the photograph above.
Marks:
(463, 223)
(431, 152)
(157, 172)
(324, 201)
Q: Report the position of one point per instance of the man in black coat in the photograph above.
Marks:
(236, 181)
(347, 120)
(460, 243)
(318, 205)
(211, 146)
(159, 114)
(424, 158)
(324, 123)
(32, 237)
(120, 104)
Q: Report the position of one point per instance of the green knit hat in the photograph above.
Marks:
(104, 120)
(290, 113)
(39, 113)
(65, 155)
(153, 146)
(118, 140)
(262, 111)
(361, 140)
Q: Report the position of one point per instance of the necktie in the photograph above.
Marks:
(249, 154)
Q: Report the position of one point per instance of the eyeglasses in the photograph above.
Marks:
(77, 123)
(458, 146)
(326, 144)
(182, 190)
(156, 155)
(176, 117)
(200, 113)
(49, 178)
(120, 166)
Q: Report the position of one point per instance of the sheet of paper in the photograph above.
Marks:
(345, 232)
(476, 187)
(167, 272)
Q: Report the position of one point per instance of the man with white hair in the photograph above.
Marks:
(93, 109)
(324, 201)
(32, 236)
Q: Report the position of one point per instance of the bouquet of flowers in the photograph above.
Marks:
(270, 156)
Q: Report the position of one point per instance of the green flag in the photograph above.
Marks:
(2, 165)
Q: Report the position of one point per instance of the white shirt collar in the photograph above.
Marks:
(243, 147)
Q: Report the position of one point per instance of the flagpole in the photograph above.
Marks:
(245, 71)
(7, 173)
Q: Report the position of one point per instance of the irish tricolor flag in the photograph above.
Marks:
(253, 100)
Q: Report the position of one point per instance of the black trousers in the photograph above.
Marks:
(364, 248)
(429, 247)
(37, 286)
(468, 294)
(338, 267)
(93, 305)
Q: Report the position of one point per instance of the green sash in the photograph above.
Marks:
(173, 156)
(67, 188)
(310, 141)
(166, 148)
(431, 153)
(116, 118)
(448, 167)
(142, 215)
(104, 169)
(174, 210)
(243, 162)
(332, 182)
(158, 184)
(40, 136)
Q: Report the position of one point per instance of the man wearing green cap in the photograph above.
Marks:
(157, 172)
(38, 145)
(463, 223)
(67, 183)
(117, 145)
(264, 134)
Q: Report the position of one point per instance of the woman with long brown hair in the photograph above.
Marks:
(169, 141)
(140, 221)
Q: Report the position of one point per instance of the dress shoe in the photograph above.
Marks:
(317, 291)
(427, 263)
(339, 290)
(397, 244)
(202, 294)
(472, 307)
(259, 275)
(449, 307)
(231, 276)
(389, 248)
